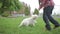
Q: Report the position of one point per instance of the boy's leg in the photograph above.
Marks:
(51, 18)
(45, 18)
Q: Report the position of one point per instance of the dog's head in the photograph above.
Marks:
(34, 16)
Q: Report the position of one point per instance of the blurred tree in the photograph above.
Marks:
(10, 5)
(36, 11)
(27, 10)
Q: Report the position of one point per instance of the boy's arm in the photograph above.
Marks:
(41, 3)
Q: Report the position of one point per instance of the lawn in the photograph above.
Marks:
(10, 26)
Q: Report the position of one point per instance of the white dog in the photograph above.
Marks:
(29, 21)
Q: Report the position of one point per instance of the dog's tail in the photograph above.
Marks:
(20, 25)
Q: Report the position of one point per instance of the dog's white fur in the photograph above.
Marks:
(29, 21)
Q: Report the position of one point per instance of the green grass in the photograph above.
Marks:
(10, 26)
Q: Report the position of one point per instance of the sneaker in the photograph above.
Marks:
(48, 27)
(56, 26)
